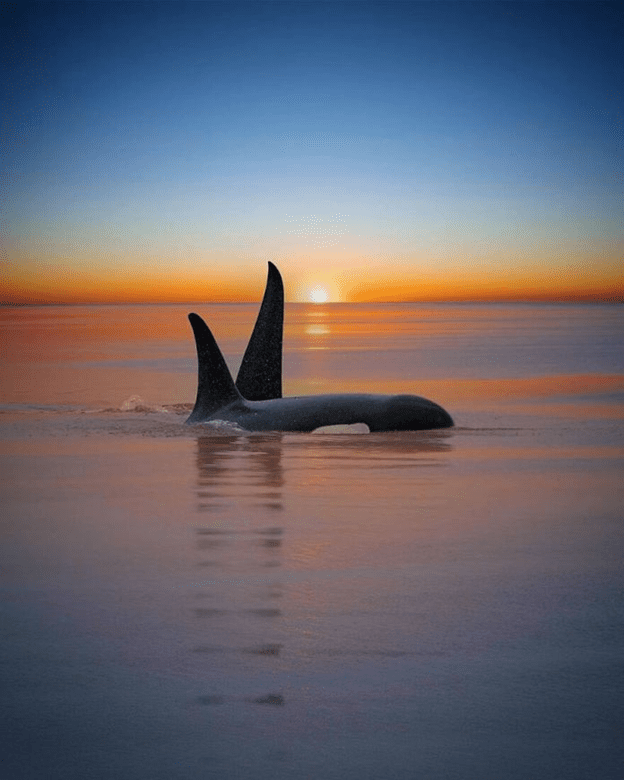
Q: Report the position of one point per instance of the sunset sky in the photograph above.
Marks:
(372, 150)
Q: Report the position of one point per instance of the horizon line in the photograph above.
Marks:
(586, 299)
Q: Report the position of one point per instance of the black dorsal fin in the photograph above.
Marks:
(215, 386)
(260, 374)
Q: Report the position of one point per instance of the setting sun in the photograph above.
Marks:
(318, 295)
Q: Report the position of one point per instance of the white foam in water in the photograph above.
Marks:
(136, 404)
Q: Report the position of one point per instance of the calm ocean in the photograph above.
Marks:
(186, 603)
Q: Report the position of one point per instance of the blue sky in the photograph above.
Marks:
(417, 140)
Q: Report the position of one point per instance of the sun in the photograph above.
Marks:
(318, 294)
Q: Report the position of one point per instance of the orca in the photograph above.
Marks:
(255, 403)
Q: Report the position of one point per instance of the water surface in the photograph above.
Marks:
(185, 603)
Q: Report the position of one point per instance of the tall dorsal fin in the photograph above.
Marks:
(260, 374)
(215, 386)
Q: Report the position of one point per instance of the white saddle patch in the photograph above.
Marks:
(353, 428)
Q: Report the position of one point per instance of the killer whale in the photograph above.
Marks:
(220, 398)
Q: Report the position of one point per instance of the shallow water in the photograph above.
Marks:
(186, 603)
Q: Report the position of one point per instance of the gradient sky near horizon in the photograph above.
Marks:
(375, 150)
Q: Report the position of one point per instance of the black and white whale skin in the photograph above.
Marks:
(219, 398)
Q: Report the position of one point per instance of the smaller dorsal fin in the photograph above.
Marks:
(260, 374)
(215, 386)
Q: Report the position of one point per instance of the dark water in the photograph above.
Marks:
(185, 603)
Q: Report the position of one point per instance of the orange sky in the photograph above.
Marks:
(345, 279)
